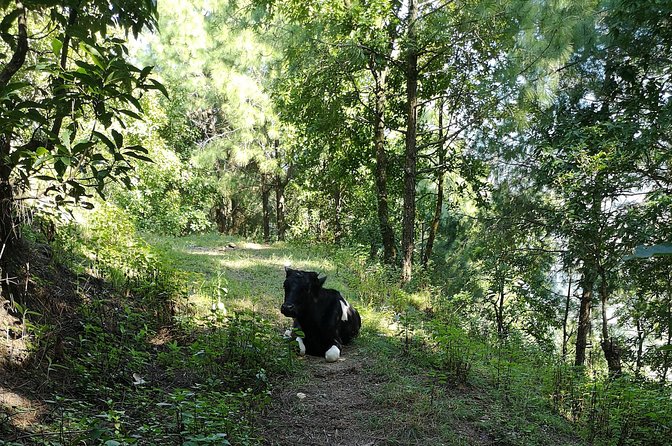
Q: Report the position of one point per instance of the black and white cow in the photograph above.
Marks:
(323, 315)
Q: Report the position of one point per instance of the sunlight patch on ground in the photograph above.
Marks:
(250, 273)
(205, 251)
(248, 263)
(255, 246)
(21, 411)
(377, 320)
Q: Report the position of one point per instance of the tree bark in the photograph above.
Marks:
(280, 186)
(410, 165)
(19, 56)
(499, 309)
(280, 208)
(8, 231)
(266, 207)
(386, 231)
(610, 347)
(640, 346)
(565, 318)
(338, 206)
(666, 354)
(586, 283)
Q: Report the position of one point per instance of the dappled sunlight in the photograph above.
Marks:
(378, 321)
(201, 251)
(20, 411)
(255, 246)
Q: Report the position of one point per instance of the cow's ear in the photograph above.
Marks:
(322, 280)
(288, 270)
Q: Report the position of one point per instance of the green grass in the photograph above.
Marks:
(212, 375)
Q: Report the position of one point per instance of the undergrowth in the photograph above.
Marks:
(506, 391)
(142, 366)
(188, 355)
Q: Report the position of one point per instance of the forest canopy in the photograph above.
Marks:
(506, 150)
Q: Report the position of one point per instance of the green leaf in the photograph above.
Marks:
(95, 55)
(133, 115)
(60, 167)
(105, 140)
(156, 85)
(82, 146)
(138, 156)
(56, 46)
(145, 72)
(118, 138)
(138, 148)
(9, 88)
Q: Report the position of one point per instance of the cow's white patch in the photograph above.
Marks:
(344, 307)
(288, 333)
(332, 354)
(302, 346)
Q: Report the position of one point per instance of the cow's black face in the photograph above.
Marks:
(301, 287)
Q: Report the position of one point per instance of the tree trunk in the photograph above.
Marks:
(338, 205)
(565, 319)
(280, 186)
(20, 50)
(440, 173)
(666, 353)
(280, 208)
(386, 231)
(9, 235)
(499, 310)
(640, 346)
(410, 165)
(266, 207)
(586, 283)
(610, 347)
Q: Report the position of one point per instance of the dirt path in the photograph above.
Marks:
(323, 403)
(332, 406)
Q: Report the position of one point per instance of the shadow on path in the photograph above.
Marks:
(330, 407)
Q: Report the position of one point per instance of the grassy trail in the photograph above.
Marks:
(379, 393)
(323, 404)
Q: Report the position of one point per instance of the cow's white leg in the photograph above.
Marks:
(332, 354)
(302, 346)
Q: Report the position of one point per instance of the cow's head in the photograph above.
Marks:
(301, 287)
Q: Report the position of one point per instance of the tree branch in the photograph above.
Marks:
(19, 56)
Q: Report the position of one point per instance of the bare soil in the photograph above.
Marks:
(330, 406)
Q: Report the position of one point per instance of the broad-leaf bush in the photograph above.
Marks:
(169, 196)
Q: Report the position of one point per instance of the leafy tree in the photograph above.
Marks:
(333, 86)
(225, 125)
(592, 153)
(67, 91)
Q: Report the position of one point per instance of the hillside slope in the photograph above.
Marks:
(225, 376)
